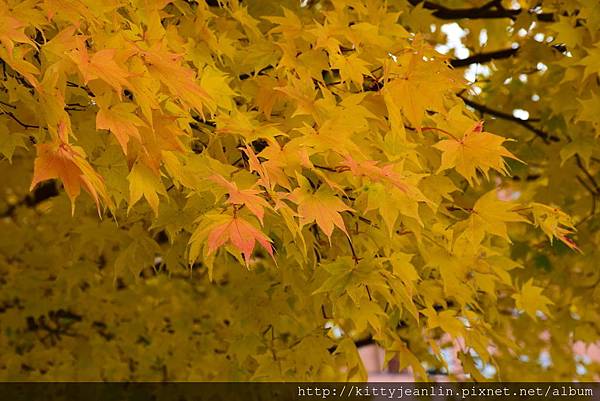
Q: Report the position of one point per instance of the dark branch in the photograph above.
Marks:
(594, 195)
(484, 57)
(496, 55)
(491, 10)
(21, 123)
(587, 174)
(84, 87)
(546, 137)
(42, 192)
(8, 105)
(364, 342)
(359, 343)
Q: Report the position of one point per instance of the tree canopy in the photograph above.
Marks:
(226, 190)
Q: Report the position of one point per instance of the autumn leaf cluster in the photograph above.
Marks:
(246, 190)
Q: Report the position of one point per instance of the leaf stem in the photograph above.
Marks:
(442, 131)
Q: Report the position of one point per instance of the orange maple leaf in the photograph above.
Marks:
(372, 171)
(101, 65)
(181, 81)
(67, 163)
(121, 121)
(241, 234)
(12, 30)
(246, 197)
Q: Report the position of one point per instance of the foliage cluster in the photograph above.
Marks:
(211, 190)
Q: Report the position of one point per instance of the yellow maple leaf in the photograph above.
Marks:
(531, 300)
(101, 65)
(12, 30)
(322, 207)
(181, 81)
(144, 182)
(446, 320)
(475, 151)
(554, 223)
(491, 214)
(352, 68)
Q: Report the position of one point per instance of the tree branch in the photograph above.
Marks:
(358, 343)
(484, 57)
(42, 192)
(21, 123)
(491, 10)
(546, 137)
(594, 195)
(587, 174)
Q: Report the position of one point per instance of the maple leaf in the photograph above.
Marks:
(180, 81)
(475, 150)
(446, 320)
(67, 163)
(145, 182)
(369, 169)
(245, 125)
(418, 82)
(352, 68)
(101, 65)
(244, 197)
(121, 121)
(16, 61)
(12, 30)
(281, 162)
(215, 83)
(289, 25)
(531, 300)
(490, 214)
(591, 61)
(554, 223)
(241, 234)
(9, 141)
(322, 207)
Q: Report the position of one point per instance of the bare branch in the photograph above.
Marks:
(21, 123)
(484, 57)
(491, 10)
(546, 137)
(587, 174)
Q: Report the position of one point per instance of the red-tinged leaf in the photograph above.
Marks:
(12, 30)
(181, 81)
(241, 234)
(121, 121)
(16, 61)
(67, 163)
(475, 150)
(270, 173)
(246, 197)
(372, 171)
(101, 65)
(555, 224)
(255, 165)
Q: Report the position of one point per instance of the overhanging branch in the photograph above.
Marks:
(42, 192)
(491, 10)
(484, 57)
(546, 137)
